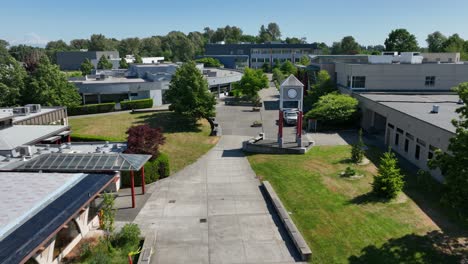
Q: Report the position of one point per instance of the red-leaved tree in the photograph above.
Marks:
(144, 139)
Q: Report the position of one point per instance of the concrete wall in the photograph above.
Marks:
(444, 57)
(425, 132)
(399, 77)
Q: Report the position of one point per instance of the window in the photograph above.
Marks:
(430, 153)
(397, 139)
(297, 60)
(255, 51)
(260, 60)
(254, 59)
(240, 52)
(359, 82)
(406, 145)
(267, 59)
(421, 142)
(391, 126)
(408, 135)
(417, 152)
(134, 94)
(399, 130)
(348, 82)
(430, 80)
(450, 60)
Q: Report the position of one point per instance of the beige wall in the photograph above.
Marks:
(426, 132)
(386, 77)
(446, 57)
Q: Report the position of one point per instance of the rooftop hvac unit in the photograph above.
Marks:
(22, 111)
(25, 151)
(34, 108)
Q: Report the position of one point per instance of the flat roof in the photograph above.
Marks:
(8, 112)
(420, 106)
(24, 194)
(18, 135)
(108, 80)
(70, 194)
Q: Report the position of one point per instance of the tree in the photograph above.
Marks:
(12, 76)
(104, 63)
(389, 181)
(295, 40)
(47, 85)
(178, 46)
(189, 94)
(138, 59)
(288, 68)
(357, 151)
(108, 214)
(305, 60)
(349, 46)
(144, 139)
(453, 163)
(323, 85)
(86, 67)
(32, 60)
(209, 62)
(248, 39)
(151, 47)
(274, 31)
(123, 64)
(208, 34)
(266, 67)
(79, 44)
(401, 40)
(232, 34)
(252, 81)
(264, 35)
(454, 44)
(3, 47)
(53, 47)
(129, 46)
(21, 52)
(278, 76)
(99, 42)
(198, 42)
(334, 110)
(436, 41)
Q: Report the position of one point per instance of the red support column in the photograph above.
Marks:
(143, 180)
(280, 128)
(132, 180)
(68, 138)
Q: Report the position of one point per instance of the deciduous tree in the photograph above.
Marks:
(123, 64)
(12, 76)
(251, 83)
(144, 139)
(401, 40)
(454, 162)
(189, 94)
(104, 63)
(436, 41)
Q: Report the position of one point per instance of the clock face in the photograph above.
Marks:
(292, 93)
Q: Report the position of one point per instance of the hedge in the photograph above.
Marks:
(88, 138)
(154, 170)
(91, 109)
(136, 104)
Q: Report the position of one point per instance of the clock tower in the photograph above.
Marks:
(291, 98)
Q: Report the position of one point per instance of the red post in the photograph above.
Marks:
(280, 124)
(132, 180)
(68, 138)
(143, 180)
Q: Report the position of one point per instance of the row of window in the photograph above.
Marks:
(267, 60)
(360, 81)
(409, 137)
(279, 51)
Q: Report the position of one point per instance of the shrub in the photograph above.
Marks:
(209, 62)
(357, 151)
(129, 235)
(154, 169)
(349, 172)
(335, 110)
(144, 139)
(136, 104)
(91, 109)
(389, 181)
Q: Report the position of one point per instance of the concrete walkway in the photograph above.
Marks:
(213, 211)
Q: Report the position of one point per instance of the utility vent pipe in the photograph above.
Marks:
(435, 109)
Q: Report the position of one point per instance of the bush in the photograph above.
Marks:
(136, 104)
(129, 235)
(91, 109)
(154, 169)
(349, 172)
(335, 110)
(209, 62)
(389, 181)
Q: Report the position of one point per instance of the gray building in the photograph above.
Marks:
(413, 125)
(71, 60)
(260, 54)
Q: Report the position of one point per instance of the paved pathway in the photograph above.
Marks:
(213, 211)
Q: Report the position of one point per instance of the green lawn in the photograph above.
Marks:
(186, 140)
(338, 217)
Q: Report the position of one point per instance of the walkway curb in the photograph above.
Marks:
(148, 249)
(295, 235)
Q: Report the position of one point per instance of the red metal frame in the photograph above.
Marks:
(280, 125)
(143, 180)
(132, 182)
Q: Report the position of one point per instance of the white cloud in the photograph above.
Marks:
(31, 39)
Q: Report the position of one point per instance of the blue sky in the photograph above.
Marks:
(369, 21)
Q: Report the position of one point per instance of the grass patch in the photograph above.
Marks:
(338, 217)
(186, 140)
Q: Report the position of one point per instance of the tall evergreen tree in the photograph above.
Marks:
(104, 63)
(389, 181)
(86, 67)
